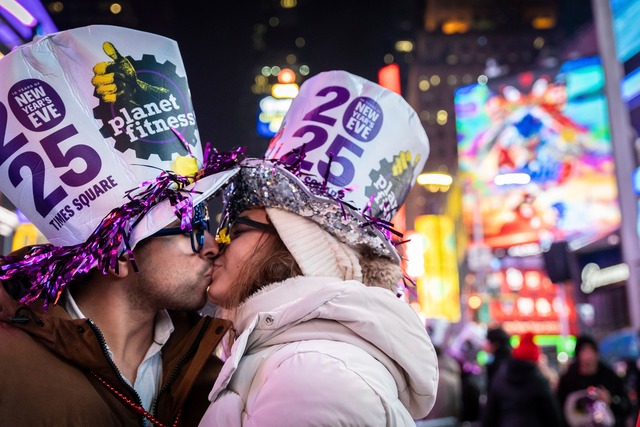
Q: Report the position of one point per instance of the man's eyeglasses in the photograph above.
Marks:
(199, 225)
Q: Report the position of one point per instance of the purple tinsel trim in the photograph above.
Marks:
(49, 269)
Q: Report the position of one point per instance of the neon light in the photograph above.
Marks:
(434, 179)
(512, 179)
(474, 302)
(270, 115)
(8, 37)
(630, 86)
(414, 250)
(594, 277)
(16, 9)
(281, 91)
(286, 75)
(524, 250)
(636, 180)
(438, 288)
(389, 77)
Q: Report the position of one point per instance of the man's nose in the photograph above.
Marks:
(210, 248)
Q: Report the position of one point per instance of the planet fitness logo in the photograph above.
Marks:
(142, 102)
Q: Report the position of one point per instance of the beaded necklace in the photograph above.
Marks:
(137, 408)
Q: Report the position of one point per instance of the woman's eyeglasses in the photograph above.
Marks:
(251, 223)
(199, 225)
(224, 235)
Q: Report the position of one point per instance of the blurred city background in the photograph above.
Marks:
(526, 214)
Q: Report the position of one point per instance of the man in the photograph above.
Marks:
(110, 348)
(100, 327)
(586, 384)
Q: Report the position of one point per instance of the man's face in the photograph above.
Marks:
(588, 360)
(171, 275)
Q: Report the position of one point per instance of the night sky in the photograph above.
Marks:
(220, 56)
(221, 61)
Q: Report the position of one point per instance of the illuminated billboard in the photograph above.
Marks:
(271, 112)
(433, 263)
(626, 31)
(535, 157)
(529, 302)
(625, 14)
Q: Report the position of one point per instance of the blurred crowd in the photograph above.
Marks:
(520, 383)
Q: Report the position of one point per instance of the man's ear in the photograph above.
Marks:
(123, 267)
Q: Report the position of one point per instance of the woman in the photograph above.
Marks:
(311, 284)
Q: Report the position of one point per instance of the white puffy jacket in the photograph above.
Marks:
(319, 351)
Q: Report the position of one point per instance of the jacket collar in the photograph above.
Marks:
(281, 295)
(369, 317)
(74, 340)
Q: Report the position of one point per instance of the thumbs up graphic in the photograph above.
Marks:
(117, 80)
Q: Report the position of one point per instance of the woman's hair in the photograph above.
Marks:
(270, 262)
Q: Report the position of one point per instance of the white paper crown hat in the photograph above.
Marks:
(346, 156)
(88, 115)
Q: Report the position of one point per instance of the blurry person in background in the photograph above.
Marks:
(498, 347)
(520, 396)
(308, 273)
(464, 348)
(590, 391)
(550, 373)
(448, 404)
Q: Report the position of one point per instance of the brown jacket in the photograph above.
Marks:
(48, 363)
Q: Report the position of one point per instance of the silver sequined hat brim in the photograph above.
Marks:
(264, 183)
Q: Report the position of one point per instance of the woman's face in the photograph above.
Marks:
(231, 262)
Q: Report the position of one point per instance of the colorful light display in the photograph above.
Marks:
(550, 127)
(536, 167)
(438, 284)
(529, 302)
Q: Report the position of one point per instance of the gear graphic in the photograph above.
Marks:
(164, 143)
(389, 189)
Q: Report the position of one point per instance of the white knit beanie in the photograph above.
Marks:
(316, 251)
